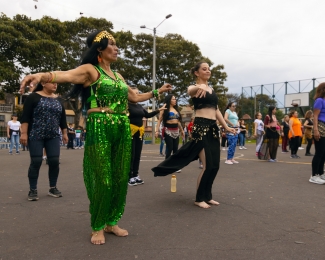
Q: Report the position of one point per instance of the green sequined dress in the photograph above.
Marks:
(107, 151)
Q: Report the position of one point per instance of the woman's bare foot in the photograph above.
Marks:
(116, 231)
(213, 202)
(202, 204)
(97, 237)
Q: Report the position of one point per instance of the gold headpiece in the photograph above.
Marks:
(103, 34)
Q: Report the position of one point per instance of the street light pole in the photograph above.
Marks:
(154, 86)
(154, 73)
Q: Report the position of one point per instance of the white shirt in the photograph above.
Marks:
(14, 126)
(260, 124)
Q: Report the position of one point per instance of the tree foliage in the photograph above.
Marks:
(250, 105)
(47, 44)
(174, 58)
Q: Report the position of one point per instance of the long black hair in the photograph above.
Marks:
(271, 108)
(89, 57)
(168, 99)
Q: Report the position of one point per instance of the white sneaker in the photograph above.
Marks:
(301, 148)
(179, 171)
(44, 158)
(322, 176)
(233, 161)
(244, 148)
(316, 179)
(223, 149)
(228, 162)
(240, 148)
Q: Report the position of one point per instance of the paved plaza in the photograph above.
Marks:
(267, 211)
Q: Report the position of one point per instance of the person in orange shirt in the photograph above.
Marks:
(295, 133)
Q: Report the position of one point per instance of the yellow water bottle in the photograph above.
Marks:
(173, 184)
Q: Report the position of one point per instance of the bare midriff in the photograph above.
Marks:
(209, 113)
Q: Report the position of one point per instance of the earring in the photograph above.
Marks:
(99, 58)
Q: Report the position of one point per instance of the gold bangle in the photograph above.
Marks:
(53, 78)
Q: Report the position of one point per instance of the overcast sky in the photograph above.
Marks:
(258, 41)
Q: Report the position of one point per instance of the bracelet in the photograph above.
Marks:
(155, 93)
(53, 78)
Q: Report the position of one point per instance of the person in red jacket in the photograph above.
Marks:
(190, 128)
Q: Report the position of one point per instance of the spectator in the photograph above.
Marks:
(186, 134)
(83, 138)
(308, 125)
(71, 135)
(13, 132)
(284, 133)
(162, 140)
(295, 134)
(223, 139)
(242, 135)
(270, 122)
(231, 119)
(258, 131)
(78, 137)
(318, 175)
(190, 128)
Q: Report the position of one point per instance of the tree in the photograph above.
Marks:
(247, 105)
(47, 44)
(174, 58)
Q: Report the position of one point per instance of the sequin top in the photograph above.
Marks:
(44, 116)
(173, 115)
(108, 92)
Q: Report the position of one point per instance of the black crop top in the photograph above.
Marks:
(209, 101)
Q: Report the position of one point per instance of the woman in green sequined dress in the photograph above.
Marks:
(107, 149)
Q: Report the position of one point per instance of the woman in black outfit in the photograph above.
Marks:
(43, 114)
(284, 133)
(270, 122)
(205, 142)
(171, 118)
(136, 114)
(308, 125)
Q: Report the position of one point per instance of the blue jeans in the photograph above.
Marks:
(78, 142)
(52, 147)
(241, 139)
(14, 139)
(232, 143)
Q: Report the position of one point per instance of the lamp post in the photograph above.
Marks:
(154, 72)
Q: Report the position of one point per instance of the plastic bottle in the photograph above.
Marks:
(173, 183)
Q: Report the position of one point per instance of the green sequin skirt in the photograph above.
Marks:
(106, 167)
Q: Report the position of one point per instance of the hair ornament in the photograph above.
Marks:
(102, 35)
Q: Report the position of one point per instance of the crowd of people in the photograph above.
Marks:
(113, 145)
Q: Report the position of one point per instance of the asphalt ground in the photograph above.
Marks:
(267, 211)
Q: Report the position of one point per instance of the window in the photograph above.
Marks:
(2, 118)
